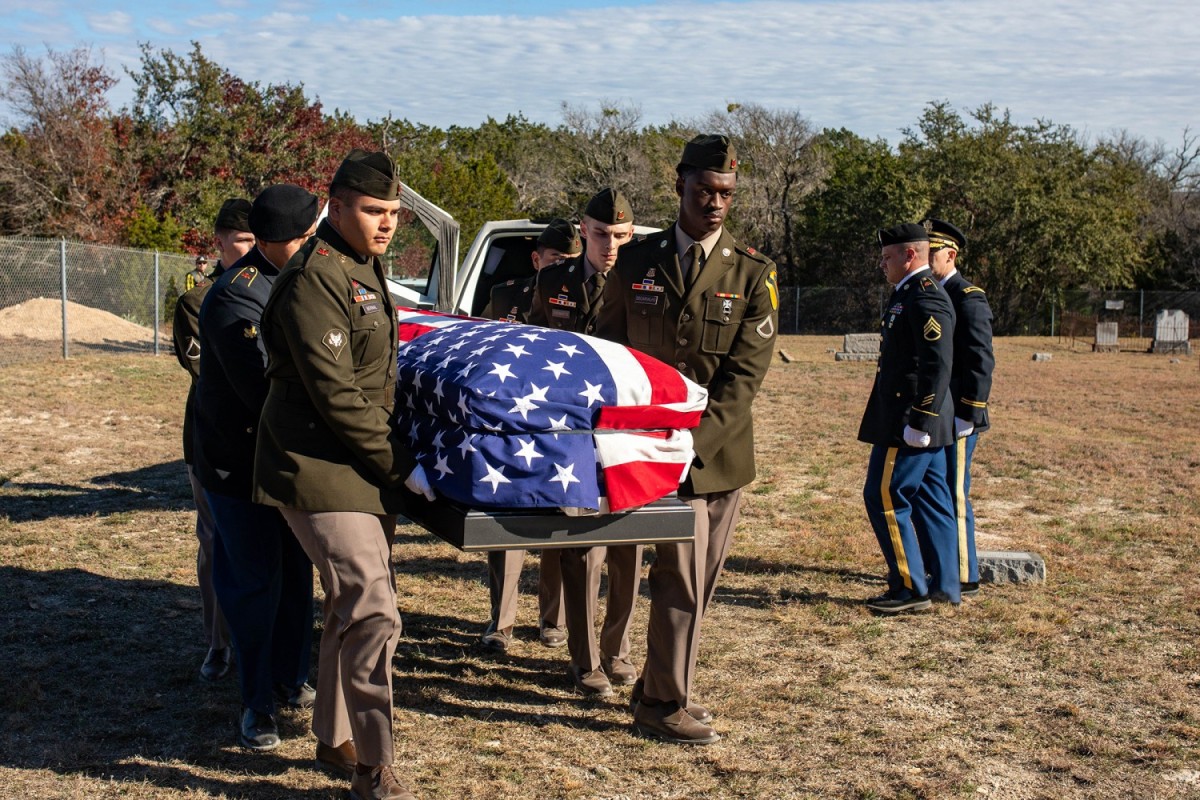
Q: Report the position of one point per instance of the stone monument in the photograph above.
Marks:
(1106, 338)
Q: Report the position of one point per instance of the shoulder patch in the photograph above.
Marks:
(970, 289)
(933, 330)
(766, 328)
(772, 283)
(335, 340)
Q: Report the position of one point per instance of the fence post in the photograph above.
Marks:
(62, 266)
(795, 310)
(1141, 313)
(156, 309)
(1053, 308)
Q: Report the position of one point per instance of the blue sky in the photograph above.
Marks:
(867, 65)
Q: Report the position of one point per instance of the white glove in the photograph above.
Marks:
(676, 447)
(915, 438)
(963, 428)
(418, 483)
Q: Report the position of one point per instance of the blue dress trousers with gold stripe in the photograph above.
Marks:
(970, 387)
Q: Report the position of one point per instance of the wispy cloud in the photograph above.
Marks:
(113, 23)
(867, 65)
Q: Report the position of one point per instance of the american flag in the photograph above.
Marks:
(516, 416)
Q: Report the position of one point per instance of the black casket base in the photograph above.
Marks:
(667, 519)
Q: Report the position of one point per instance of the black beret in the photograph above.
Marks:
(902, 234)
(943, 234)
(234, 215)
(562, 236)
(710, 151)
(282, 212)
(373, 174)
(610, 207)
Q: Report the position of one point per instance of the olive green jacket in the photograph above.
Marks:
(324, 442)
(719, 331)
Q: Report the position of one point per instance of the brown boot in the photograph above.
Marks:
(670, 723)
(380, 783)
(339, 760)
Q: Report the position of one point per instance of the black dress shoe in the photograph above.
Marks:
(942, 597)
(302, 696)
(216, 664)
(897, 602)
(970, 589)
(258, 731)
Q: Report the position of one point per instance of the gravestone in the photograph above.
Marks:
(859, 347)
(1009, 566)
(1171, 332)
(1106, 338)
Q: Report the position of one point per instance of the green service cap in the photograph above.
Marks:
(610, 207)
(562, 235)
(943, 234)
(903, 234)
(710, 151)
(373, 174)
(234, 215)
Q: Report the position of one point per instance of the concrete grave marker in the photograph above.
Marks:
(859, 347)
(1171, 332)
(1106, 338)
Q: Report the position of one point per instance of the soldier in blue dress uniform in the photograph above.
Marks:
(909, 421)
(261, 575)
(970, 384)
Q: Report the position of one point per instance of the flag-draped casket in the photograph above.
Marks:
(505, 416)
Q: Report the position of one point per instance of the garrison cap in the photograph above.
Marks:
(943, 234)
(710, 151)
(282, 212)
(234, 215)
(902, 234)
(562, 236)
(609, 206)
(373, 174)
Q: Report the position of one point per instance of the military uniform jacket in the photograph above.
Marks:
(561, 298)
(718, 330)
(511, 300)
(233, 385)
(185, 335)
(912, 382)
(324, 442)
(971, 375)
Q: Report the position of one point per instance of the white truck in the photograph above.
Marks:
(499, 252)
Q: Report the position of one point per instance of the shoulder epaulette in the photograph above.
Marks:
(746, 250)
(927, 283)
(969, 289)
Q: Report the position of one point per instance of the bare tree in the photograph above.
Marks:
(778, 167)
(61, 169)
(604, 148)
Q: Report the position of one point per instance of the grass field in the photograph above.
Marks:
(1084, 687)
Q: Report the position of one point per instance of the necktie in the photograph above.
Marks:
(695, 255)
(597, 290)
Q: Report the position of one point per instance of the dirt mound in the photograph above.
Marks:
(41, 318)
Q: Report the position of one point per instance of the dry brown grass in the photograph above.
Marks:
(1085, 687)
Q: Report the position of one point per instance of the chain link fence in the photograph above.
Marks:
(60, 298)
